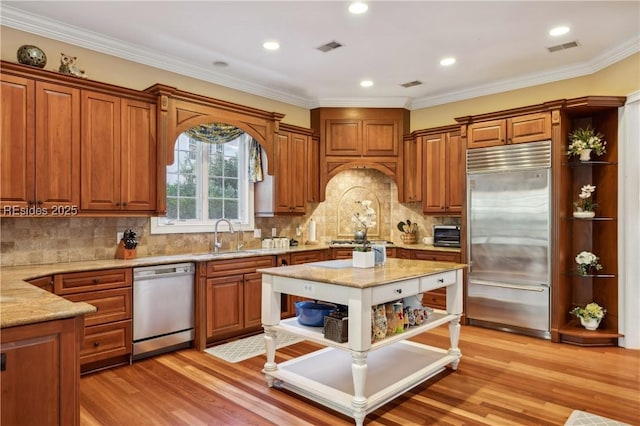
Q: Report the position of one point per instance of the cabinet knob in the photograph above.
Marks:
(399, 291)
(96, 344)
(124, 204)
(440, 280)
(30, 202)
(96, 281)
(118, 203)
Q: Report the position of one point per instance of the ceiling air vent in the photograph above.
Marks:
(329, 46)
(563, 46)
(411, 83)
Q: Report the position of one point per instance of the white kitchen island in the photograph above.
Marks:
(357, 377)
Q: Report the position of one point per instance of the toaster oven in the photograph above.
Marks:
(446, 236)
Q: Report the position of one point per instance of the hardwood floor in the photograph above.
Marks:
(502, 379)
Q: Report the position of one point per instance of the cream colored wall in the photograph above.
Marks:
(121, 72)
(619, 79)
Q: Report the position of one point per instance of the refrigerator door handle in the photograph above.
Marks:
(538, 288)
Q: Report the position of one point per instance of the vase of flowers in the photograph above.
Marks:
(584, 208)
(586, 141)
(587, 261)
(590, 316)
(363, 219)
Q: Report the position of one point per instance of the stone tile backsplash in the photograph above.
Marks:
(25, 241)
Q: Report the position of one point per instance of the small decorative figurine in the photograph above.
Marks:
(68, 66)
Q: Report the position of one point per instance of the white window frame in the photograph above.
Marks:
(160, 225)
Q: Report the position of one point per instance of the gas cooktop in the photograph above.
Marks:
(350, 243)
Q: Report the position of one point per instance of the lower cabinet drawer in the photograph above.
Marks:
(435, 299)
(106, 341)
(112, 305)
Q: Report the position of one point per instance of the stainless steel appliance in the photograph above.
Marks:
(509, 208)
(446, 235)
(163, 308)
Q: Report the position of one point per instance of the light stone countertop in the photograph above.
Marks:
(22, 303)
(341, 272)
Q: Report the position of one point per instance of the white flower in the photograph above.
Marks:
(365, 218)
(585, 258)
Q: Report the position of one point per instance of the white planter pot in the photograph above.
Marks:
(364, 259)
(590, 323)
(584, 215)
(585, 155)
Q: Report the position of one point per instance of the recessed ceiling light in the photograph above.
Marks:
(271, 45)
(366, 83)
(445, 62)
(558, 31)
(358, 7)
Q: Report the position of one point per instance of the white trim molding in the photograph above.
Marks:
(628, 224)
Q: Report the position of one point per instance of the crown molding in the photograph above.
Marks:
(617, 54)
(56, 30)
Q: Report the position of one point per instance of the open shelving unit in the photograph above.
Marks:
(598, 235)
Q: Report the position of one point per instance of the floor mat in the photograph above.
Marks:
(246, 348)
(581, 418)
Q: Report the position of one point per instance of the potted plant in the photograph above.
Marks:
(585, 206)
(584, 142)
(363, 219)
(590, 316)
(586, 262)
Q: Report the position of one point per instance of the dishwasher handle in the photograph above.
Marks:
(164, 270)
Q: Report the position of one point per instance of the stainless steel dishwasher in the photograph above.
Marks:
(163, 308)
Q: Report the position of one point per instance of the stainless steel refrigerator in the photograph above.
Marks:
(509, 217)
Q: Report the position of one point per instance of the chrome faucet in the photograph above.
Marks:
(216, 243)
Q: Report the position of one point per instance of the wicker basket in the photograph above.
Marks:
(336, 327)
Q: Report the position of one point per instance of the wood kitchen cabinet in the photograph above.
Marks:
(40, 376)
(444, 172)
(108, 331)
(77, 146)
(233, 297)
(360, 137)
(413, 168)
(517, 129)
(290, 166)
(118, 153)
(41, 166)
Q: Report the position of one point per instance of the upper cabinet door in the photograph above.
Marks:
(456, 173)
(487, 133)
(529, 128)
(58, 145)
(412, 167)
(343, 137)
(138, 155)
(380, 137)
(100, 152)
(17, 146)
(434, 198)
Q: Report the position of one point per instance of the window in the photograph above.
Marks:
(206, 182)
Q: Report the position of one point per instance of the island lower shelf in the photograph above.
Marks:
(315, 334)
(325, 376)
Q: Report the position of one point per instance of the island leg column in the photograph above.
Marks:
(270, 319)
(359, 373)
(454, 306)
